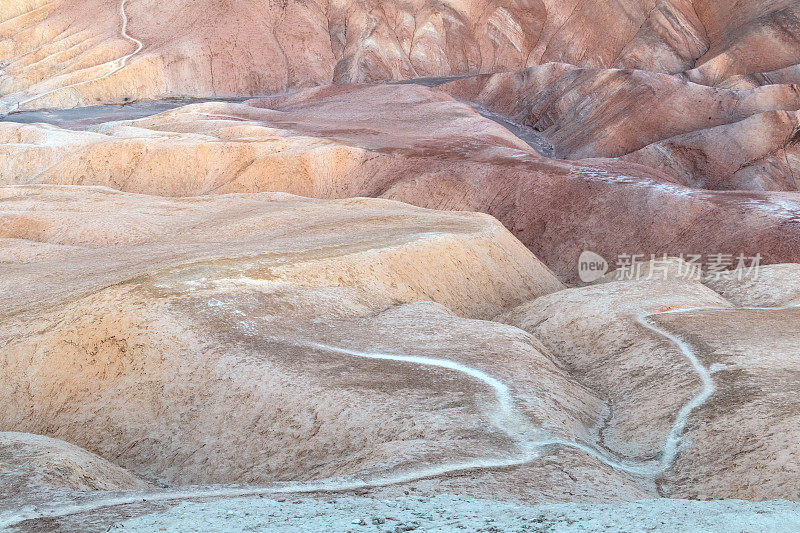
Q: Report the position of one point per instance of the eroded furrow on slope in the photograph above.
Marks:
(506, 418)
(117, 64)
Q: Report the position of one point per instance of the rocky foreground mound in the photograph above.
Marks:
(272, 353)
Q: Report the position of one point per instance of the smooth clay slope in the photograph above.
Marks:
(416, 145)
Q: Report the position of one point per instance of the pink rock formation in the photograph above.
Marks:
(586, 113)
(757, 153)
(746, 38)
(202, 47)
(701, 136)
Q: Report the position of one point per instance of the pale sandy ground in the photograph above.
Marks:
(447, 513)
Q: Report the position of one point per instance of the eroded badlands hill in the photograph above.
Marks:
(702, 92)
(416, 145)
(365, 280)
(157, 324)
(271, 346)
(204, 47)
(703, 137)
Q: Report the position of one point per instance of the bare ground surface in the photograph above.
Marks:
(448, 513)
(580, 395)
(185, 346)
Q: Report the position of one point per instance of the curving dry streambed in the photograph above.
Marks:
(505, 417)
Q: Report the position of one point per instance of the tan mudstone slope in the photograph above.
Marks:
(416, 145)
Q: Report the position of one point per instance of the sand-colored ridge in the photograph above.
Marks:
(416, 145)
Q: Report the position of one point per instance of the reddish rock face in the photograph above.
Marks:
(211, 47)
(609, 113)
(746, 38)
(555, 67)
(701, 136)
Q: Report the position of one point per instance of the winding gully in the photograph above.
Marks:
(116, 65)
(505, 417)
